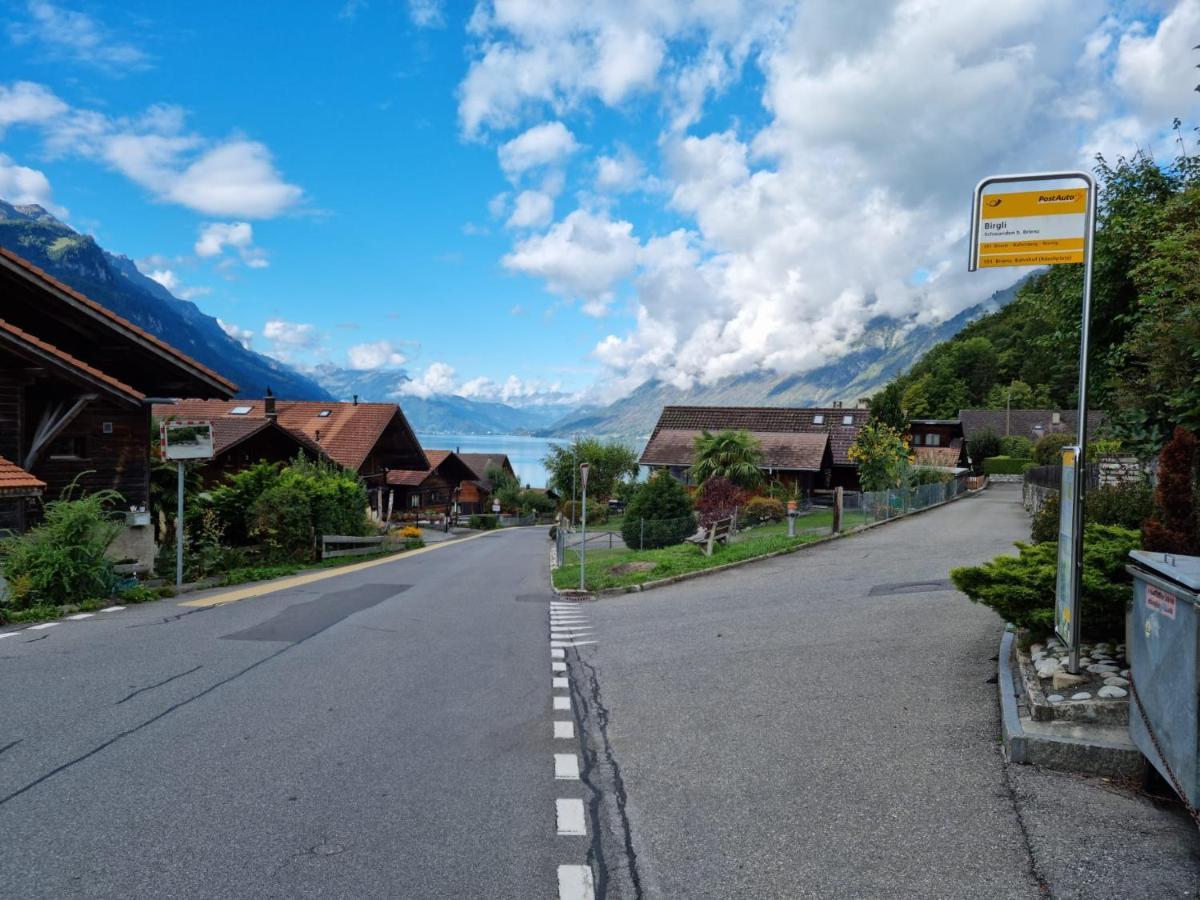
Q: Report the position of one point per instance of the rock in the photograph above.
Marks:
(1047, 667)
(1101, 668)
(1112, 692)
(1055, 698)
(1124, 672)
(1037, 648)
(1037, 654)
(1082, 695)
(1116, 681)
(1066, 679)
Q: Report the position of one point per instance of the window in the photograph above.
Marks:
(414, 501)
(325, 414)
(68, 448)
(239, 410)
(933, 440)
(847, 420)
(818, 420)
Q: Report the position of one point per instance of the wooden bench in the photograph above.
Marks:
(718, 532)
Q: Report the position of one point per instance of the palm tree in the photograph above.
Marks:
(735, 455)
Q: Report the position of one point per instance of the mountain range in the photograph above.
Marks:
(887, 348)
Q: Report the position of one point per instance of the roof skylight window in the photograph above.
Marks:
(240, 410)
(818, 420)
(325, 413)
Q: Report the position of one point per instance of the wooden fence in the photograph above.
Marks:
(350, 545)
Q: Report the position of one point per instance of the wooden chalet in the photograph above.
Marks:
(476, 495)
(802, 447)
(1030, 423)
(435, 488)
(76, 385)
(939, 443)
(371, 439)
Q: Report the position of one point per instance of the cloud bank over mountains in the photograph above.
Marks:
(845, 198)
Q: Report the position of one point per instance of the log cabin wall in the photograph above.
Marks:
(107, 448)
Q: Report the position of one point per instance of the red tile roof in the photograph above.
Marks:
(766, 420)
(41, 348)
(347, 435)
(39, 274)
(15, 480)
(408, 477)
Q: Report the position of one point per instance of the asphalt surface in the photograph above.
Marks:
(825, 725)
(379, 734)
(819, 725)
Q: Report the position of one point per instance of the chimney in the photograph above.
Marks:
(318, 438)
(356, 399)
(269, 405)
(1056, 418)
(837, 404)
(864, 402)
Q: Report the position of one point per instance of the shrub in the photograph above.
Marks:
(1173, 527)
(718, 498)
(282, 520)
(1123, 505)
(882, 454)
(1021, 588)
(1004, 465)
(410, 531)
(233, 499)
(922, 475)
(306, 500)
(483, 523)
(1102, 447)
(1016, 446)
(1048, 449)
(596, 514)
(536, 502)
(765, 509)
(63, 559)
(659, 515)
(1045, 521)
(984, 444)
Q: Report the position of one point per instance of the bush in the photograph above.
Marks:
(233, 499)
(985, 444)
(1016, 446)
(596, 514)
(922, 475)
(1048, 449)
(63, 559)
(537, 503)
(718, 498)
(1174, 527)
(1004, 465)
(306, 500)
(659, 515)
(483, 523)
(765, 509)
(1124, 505)
(1021, 588)
(1045, 521)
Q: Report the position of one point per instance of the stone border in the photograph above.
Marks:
(576, 594)
(1101, 711)
(1069, 754)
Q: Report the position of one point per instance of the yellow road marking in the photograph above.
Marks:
(271, 587)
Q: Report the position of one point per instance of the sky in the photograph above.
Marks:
(530, 202)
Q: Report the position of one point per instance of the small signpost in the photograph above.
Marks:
(1048, 227)
(583, 473)
(181, 440)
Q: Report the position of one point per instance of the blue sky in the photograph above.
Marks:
(514, 200)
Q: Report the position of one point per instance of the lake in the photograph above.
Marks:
(525, 453)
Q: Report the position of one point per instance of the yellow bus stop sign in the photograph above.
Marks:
(1032, 228)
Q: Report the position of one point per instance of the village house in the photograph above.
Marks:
(939, 443)
(370, 439)
(1029, 423)
(804, 448)
(435, 488)
(76, 387)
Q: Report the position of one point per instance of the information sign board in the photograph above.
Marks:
(1032, 228)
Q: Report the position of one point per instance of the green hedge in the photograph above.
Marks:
(1005, 465)
(483, 523)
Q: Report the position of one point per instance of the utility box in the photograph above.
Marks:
(1163, 648)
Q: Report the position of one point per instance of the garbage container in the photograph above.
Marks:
(1163, 649)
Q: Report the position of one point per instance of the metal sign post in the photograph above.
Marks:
(583, 473)
(183, 439)
(1048, 228)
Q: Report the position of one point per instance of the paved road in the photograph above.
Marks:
(379, 734)
(820, 725)
(826, 725)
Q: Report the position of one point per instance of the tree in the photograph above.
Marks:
(609, 462)
(1173, 527)
(505, 488)
(1048, 449)
(719, 498)
(984, 444)
(659, 515)
(887, 406)
(883, 457)
(735, 455)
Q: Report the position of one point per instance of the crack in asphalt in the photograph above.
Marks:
(151, 687)
(10, 745)
(166, 620)
(584, 704)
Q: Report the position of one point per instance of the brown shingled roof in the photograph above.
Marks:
(16, 481)
(788, 451)
(30, 344)
(762, 421)
(122, 324)
(407, 477)
(347, 434)
(1025, 422)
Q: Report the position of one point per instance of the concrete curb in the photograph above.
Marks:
(1068, 753)
(576, 594)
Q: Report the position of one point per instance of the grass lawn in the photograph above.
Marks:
(667, 562)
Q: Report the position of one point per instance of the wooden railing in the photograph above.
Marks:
(351, 545)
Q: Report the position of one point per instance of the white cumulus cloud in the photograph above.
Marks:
(438, 378)
(21, 185)
(542, 145)
(375, 355)
(243, 336)
(215, 237)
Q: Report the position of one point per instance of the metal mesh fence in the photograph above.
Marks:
(865, 507)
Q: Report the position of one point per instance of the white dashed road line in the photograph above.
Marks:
(564, 731)
(557, 653)
(40, 627)
(8, 634)
(558, 666)
(566, 767)
(570, 817)
(561, 683)
(78, 616)
(112, 609)
(570, 643)
(562, 703)
(575, 883)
